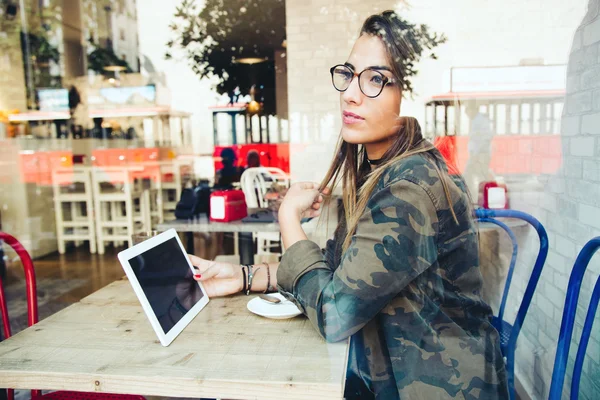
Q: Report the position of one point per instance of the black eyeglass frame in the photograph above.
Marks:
(386, 80)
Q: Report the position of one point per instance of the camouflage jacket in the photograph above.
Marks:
(407, 292)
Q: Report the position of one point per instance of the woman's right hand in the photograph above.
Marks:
(218, 278)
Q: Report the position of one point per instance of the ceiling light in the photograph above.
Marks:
(114, 68)
(250, 60)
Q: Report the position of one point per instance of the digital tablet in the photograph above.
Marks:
(161, 275)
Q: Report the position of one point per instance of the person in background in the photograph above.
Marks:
(401, 276)
(252, 159)
(131, 134)
(98, 131)
(230, 173)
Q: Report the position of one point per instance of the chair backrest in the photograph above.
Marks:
(63, 177)
(255, 186)
(277, 175)
(568, 321)
(168, 170)
(32, 305)
(486, 215)
(67, 176)
(113, 176)
(32, 308)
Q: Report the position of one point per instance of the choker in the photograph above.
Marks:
(375, 162)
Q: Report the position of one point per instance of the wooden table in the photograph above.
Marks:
(244, 230)
(104, 343)
(203, 224)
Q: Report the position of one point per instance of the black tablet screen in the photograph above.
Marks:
(167, 282)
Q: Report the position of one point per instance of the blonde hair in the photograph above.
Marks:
(358, 180)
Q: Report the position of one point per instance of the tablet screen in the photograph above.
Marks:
(167, 281)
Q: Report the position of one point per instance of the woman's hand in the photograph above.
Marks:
(218, 278)
(302, 200)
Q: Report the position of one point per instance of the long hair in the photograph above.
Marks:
(350, 165)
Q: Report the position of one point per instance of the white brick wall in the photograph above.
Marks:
(590, 215)
(582, 146)
(591, 122)
(576, 219)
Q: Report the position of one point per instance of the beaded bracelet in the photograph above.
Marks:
(268, 278)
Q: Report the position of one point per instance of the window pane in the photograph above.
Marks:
(525, 119)
(536, 119)
(464, 121)
(514, 119)
(558, 108)
(500, 119)
(451, 121)
(549, 121)
(440, 110)
(429, 121)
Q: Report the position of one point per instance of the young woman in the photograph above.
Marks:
(401, 277)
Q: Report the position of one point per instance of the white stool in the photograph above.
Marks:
(80, 225)
(150, 179)
(121, 210)
(172, 187)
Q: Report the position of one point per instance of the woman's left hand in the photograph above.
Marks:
(302, 200)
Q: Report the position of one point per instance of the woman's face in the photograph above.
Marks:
(370, 121)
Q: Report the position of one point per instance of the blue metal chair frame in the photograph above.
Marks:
(568, 321)
(509, 333)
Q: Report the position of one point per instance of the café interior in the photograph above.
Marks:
(125, 121)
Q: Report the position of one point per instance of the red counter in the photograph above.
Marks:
(275, 155)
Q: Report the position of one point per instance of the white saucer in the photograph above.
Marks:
(283, 310)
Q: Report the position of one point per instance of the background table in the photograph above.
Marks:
(244, 230)
(105, 344)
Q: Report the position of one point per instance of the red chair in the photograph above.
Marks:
(32, 318)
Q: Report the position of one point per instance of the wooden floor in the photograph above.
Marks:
(98, 270)
(66, 279)
(61, 280)
(90, 272)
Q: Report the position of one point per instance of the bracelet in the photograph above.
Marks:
(268, 278)
(250, 278)
(248, 286)
(244, 275)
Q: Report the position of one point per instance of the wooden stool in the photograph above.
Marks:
(150, 179)
(121, 210)
(80, 226)
(172, 181)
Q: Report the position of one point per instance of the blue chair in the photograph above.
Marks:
(509, 333)
(568, 320)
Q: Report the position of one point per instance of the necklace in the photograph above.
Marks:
(375, 162)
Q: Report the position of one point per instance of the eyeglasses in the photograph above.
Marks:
(370, 81)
